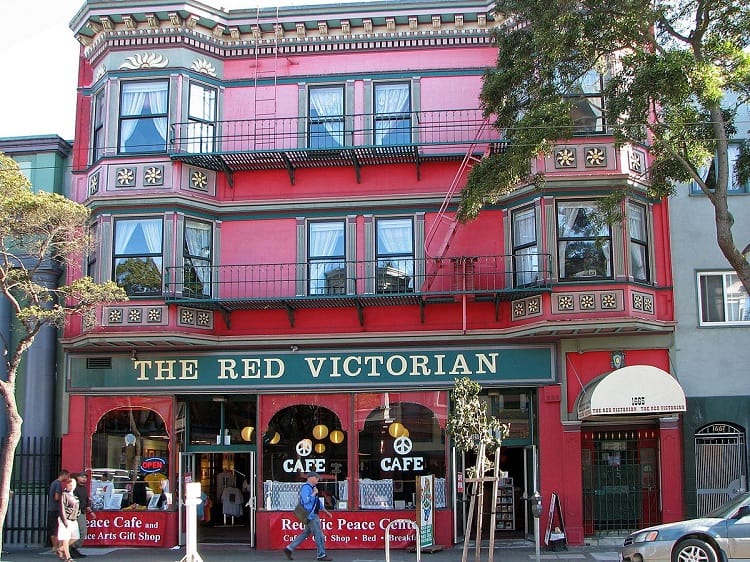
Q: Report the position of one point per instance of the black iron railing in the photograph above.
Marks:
(422, 128)
(335, 278)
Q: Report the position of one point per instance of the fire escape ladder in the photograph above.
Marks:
(445, 223)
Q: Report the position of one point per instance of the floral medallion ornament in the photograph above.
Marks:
(198, 180)
(154, 175)
(608, 300)
(636, 161)
(125, 177)
(565, 158)
(587, 301)
(596, 156)
(94, 183)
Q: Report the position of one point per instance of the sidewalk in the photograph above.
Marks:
(504, 552)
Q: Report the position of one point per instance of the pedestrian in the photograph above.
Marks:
(308, 497)
(53, 507)
(82, 493)
(67, 521)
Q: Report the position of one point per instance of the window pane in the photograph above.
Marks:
(738, 308)
(584, 259)
(392, 117)
(524, 227)
(326, 125)
(326, 272)
(138, 256)
(197, 259)
(143, 117)
(576, 220)
(326, 239)
(712, 298)
(395, 255)
(202, 114)
(584, 247)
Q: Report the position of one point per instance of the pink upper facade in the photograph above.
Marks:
(259, 135)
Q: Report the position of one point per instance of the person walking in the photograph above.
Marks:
(308, 497)
(67, 522)
(82, 493)
(53, 507)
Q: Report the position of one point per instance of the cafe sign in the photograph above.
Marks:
(370, 368)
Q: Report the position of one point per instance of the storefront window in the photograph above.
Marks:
(401, 440)
(300, 439)
(130, 460)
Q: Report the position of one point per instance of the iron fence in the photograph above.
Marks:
(36, 464)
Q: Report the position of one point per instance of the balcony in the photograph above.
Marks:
(358, 284)
(290, 143)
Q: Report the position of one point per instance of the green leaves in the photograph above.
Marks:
(468, 423)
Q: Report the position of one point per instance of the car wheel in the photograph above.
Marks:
(694, 550)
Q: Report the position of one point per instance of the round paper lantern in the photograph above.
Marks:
(337, 436)
(275, 439)
(247, 433)
(404, 433)
(396, 429)
(320, 448)
(320, 431)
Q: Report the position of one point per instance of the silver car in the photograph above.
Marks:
(720, 536)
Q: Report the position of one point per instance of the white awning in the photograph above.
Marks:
(637, 389)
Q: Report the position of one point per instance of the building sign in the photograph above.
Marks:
(126, 528)
(324, 369)
(346, 530)
(153, 464)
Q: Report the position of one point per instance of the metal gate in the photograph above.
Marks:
(36, 464)
(720, 465)
(620, 481)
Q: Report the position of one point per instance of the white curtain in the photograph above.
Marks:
(637, 228)
(326, 239)
(124, 231)
(198, 242)
(396, 237)
(329, 103)
(152, 232)
(526, 259)
(134, 98)
(390, 99)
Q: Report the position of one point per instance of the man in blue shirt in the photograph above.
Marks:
(308, 497)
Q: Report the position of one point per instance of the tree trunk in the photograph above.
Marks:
(8, 449)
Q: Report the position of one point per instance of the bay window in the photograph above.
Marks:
(143, 117)
(201, 118)
(138, 256)
(326, 117)
(197, 250)
(97, 137)
(638, 242)
(326, 258)
(722, 299)
(392, 114)
(525, 250)
(587, 103)
(394, 255)
(584, 244)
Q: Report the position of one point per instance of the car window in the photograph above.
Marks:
(728, 509)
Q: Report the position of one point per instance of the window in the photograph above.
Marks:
(722, 299)
(138, 256)
(93, 253)
(197, 259)
(123, 438)
(708, 173)
(525, 252)
(327, 264)
(298, 439)
(98, 140)
(143, 117)
(402, 438)
(394, 255)
(326, 111)
(638, 242)
(583, 245)
(201, 117)
(587, 102)
(392, 117)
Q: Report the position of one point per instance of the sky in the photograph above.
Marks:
(39, 58)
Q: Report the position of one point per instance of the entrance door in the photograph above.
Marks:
(228, 481)
(530, 485)
(720, 469)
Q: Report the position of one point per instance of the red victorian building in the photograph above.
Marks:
(276, 189)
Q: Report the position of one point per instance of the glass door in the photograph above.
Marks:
(460, 493)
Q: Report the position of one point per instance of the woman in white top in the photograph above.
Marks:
(67, 522)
